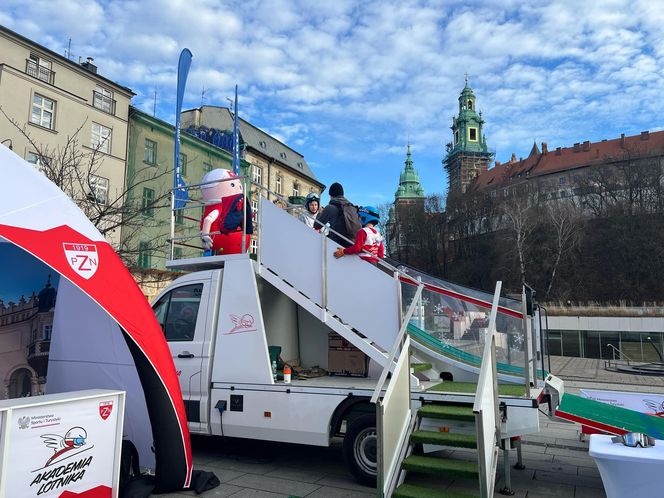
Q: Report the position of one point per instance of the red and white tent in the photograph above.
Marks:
(104, 334)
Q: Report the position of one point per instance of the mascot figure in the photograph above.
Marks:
(221, 225)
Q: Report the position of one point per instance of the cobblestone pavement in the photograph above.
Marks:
(557, 462)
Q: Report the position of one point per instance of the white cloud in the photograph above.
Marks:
(348, 82)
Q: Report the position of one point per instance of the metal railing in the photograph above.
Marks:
(393, 414)
(622, 355)
(32, 68)
(486, 407)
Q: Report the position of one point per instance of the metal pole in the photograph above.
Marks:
(526, 349)
(257, 231)
(507, 490)
(170, 249)
(244, 214)
(324, 274)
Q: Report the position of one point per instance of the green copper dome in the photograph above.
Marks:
(409, 182)
(467, 127)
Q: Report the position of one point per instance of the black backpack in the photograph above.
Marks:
(352, 219)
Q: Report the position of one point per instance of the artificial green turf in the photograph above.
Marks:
(471, 387)
(420, 367)
(444, 439)
(411, 491)
(447, 412)
(614, 416)
(436, 466)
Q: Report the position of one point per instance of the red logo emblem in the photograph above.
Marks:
(82, 258)
(105, 409)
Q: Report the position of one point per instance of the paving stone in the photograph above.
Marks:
(274, 485)
(221, 491)
(257, 493)
(342, 481)
(329, 492)
(589, 471)
(580, 462)
(583, 492)
(297, 474)
(588, 481)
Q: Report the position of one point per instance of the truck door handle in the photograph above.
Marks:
(185, 354)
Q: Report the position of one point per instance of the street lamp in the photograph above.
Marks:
(11, 144)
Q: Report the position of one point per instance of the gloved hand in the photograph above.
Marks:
(207, 241)
(339, 252)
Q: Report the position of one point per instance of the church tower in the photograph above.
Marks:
(467, 155)
(408, 207)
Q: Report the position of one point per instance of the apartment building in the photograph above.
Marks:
(58, 101)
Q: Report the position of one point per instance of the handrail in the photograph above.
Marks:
(623, 355)
(486, 407)
(397, 344)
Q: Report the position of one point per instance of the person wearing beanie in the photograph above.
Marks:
(334, 215)
(336, 190)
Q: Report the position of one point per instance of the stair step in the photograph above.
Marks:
(412, 491)
(437, 465)
(444, 439)
(447, 412)
(421, 367)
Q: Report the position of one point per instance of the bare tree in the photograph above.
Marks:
(75, 170)
(565, 219)
(520, 220)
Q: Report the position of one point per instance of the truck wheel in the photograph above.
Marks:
(361, 448)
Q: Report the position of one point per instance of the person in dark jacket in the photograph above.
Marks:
(334, 215)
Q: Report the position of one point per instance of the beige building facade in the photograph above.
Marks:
(274, 166)
(55, 100)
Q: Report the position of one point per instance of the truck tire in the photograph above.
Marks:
(361, 448)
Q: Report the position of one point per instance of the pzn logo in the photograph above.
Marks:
(82, 258)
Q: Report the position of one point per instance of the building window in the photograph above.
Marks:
(102, 98)
(278, 184)
(257, 174)
(183, 164)
(143, 255)
(40, 162)
(254, 205)
(148, 201)
(562, 180)
(456, 136)
(506, 192)
(179, 217)
(43, 112)
(296, 190)
(254, 246)
(472, 134)
(100, 138)
(207, 167)
(177, 253)
(39, 68)
(46, 332)
(150, 154)
(98, 189)
(470, 105)
(493, 194)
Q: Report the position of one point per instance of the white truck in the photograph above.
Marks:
(221, 319)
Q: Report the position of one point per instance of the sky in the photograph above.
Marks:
(22, 274)
(349, 84)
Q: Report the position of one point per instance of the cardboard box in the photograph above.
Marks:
(347, 362)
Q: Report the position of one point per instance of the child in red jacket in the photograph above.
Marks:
(368, 242)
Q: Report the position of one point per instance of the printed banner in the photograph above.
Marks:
(652, 404)
(66, 446)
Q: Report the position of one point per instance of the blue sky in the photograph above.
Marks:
(22, 274)
(349, 83)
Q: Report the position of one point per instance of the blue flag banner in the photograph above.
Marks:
(181, 194)
(236, 139)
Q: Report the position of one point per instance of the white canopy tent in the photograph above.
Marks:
(105, 334)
